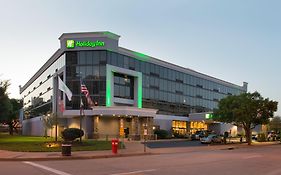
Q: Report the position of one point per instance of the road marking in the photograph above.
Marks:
(133, 172)
(46, 168)
(252, 156)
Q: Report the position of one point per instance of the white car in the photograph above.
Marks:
(212, 138)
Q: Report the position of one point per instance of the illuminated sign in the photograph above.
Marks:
(70, 44)
(208, 116)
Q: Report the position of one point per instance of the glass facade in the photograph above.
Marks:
(89, 67)
(123, 86)
(170, 91)
(179, 127)
(37, 97)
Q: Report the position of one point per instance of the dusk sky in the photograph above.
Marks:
(235, 41)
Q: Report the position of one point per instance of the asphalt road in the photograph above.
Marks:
(245, 161)
(176, 143)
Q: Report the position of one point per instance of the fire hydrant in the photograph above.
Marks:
(114, 145)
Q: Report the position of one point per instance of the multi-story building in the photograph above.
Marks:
(131, 91)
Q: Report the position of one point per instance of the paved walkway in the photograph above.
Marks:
(133, 148)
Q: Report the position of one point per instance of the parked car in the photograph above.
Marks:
(212, 138)
(198, 134)
(272, 136)
(254, 136)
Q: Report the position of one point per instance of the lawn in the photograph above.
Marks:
(41, 144)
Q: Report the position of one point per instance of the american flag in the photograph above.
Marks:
(85, 91)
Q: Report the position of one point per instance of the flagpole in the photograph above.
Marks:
(81, 106)
(56, 111)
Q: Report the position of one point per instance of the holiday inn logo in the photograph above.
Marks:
(70, 44)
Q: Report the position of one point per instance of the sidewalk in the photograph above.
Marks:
(133, 148)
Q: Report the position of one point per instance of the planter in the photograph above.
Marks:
(66, 149)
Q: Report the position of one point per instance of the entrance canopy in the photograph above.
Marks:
(113, 111)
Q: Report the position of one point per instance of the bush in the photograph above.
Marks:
(71, 134)
(161, 134)
(261, 137)
(177, 135)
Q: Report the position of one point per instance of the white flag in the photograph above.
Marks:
(65, 89)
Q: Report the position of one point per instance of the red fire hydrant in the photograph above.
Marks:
(114, 144)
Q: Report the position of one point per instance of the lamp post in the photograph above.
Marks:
(145, 134)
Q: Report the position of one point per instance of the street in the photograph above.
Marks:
(253, 160)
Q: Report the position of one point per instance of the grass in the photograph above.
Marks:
(41, 144)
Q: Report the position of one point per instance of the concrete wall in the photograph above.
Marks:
(220, 128)
(33, 126)
(164, 124)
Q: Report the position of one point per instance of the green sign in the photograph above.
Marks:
(70, 44)
(208, 116)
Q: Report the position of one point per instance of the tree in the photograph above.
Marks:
(5, 104)
(247, 110)
(13, 116)
(275, 124)
(9, 108)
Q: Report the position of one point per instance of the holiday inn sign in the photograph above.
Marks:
(70, 44)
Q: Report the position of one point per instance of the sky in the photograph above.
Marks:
(236, 41)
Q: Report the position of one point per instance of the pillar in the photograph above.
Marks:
(87, 127)
(135, 128)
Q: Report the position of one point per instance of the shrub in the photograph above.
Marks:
(161, 134)
(261, 137)
(177, 135)
(71, 134)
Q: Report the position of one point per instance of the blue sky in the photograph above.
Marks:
(232, 40)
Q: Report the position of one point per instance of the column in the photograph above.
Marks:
(87, 127)
(135, 128)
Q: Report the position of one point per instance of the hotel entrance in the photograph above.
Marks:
(122, 122)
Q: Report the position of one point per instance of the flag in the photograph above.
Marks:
(61, 106)
(85, 91)
(65, 89)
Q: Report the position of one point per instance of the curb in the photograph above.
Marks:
(75, 157)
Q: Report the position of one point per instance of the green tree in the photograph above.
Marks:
(275, 124)
(9, 108)
(247, 110)
(5, 104)
(13, 116)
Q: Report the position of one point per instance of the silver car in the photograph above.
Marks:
(212, 138)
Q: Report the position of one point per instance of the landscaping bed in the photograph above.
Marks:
(42, 144)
